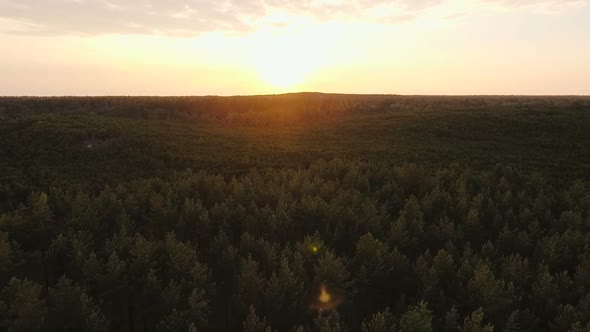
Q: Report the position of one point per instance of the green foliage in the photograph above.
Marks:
(474, 323)
(227, 214)
(254, 324)
(380, 322)
(132, 270)
(6, 257)
(328, 322)
(70, 309)
(22, 307)
(417, 319)
(332, 271)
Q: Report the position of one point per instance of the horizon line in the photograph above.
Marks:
(291, 93)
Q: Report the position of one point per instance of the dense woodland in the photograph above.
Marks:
(237, 213)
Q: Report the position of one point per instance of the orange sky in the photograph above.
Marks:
(139, 47)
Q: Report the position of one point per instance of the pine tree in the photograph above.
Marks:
(417, 319)
(254, 324)
(513, 322)
(328, 322)
(380, 322)
(474, 323)
(451, 320)
(332, 271)
(6, 258)
(494, 295)
(70, 309)
(22, 306)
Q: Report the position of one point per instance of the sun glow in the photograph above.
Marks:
(282, 74)
(285, 62)
(287, 59)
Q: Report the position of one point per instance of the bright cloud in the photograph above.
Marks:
(541, 6)
(191, 17)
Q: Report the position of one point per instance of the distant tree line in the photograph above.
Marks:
(268, 109)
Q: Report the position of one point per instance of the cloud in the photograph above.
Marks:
(130, 16)
(184, 17)
(540, 6)
(191, 17)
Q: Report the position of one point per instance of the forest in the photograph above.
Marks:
(297, 212)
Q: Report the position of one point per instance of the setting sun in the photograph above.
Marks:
(282, 74)
(252, 47)
(285, 60)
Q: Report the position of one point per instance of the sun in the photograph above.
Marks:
(282, 74)
(286, 61)
(284, 65)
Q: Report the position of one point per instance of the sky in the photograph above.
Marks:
(241, 47)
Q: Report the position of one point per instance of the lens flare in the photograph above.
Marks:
(324, 299)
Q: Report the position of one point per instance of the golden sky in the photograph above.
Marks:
(196, 47)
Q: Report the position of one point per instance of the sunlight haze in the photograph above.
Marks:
(137, 47)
